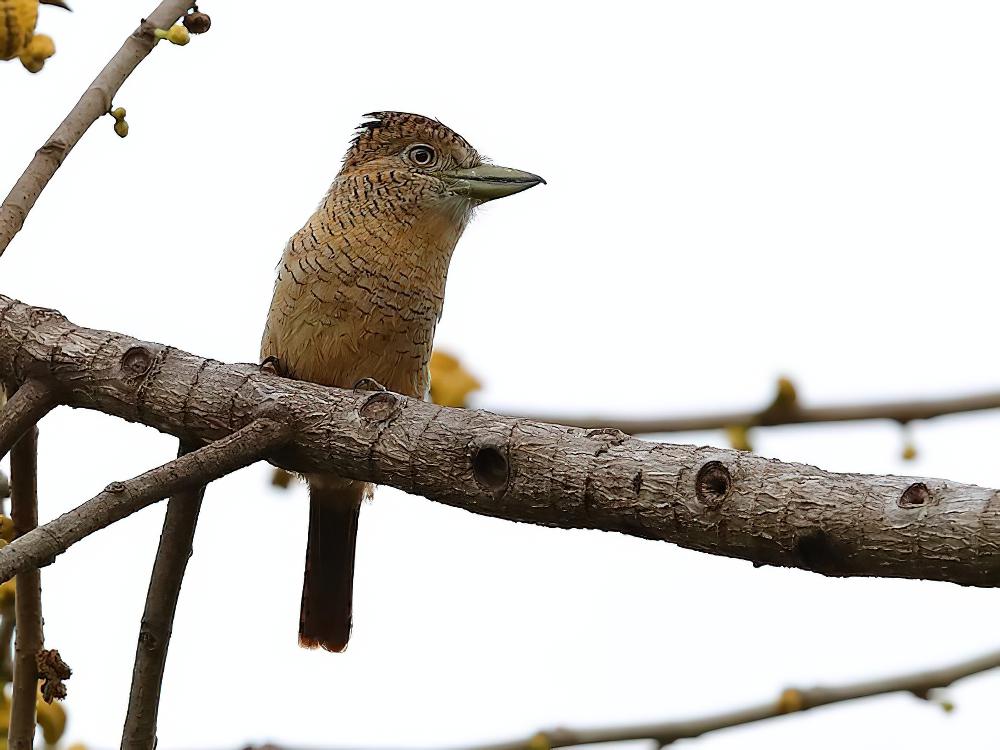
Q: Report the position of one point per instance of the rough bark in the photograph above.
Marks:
(717, 501)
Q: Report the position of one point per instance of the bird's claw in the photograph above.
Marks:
(369, 384)
(272, 365)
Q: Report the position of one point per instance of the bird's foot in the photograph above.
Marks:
(272, 366)
(369, 384)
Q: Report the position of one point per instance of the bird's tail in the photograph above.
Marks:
(327, 589)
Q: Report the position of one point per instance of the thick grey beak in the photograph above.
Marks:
(486, 182)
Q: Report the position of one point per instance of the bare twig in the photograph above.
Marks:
(896, 411)
(96, 101)
(28, 598)
(32, 401)
(121, 499)
(158, 618)
(713, 500)
(790, 701)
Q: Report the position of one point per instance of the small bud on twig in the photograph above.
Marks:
(197, 22)
(176, 34)
(790, 701)
(121, 127)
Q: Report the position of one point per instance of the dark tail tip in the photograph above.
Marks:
(328, 644)
(325, 617)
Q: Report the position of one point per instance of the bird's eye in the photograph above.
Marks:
(422, 156)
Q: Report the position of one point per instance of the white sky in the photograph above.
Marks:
(736, 190)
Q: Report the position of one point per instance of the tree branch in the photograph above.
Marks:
(96, 101)
(718, 501)
(896, 411)
(32, 401)
(121, 499)
(158, 617)
(790, 701)
(28, 597)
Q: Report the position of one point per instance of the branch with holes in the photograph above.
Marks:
(717, 501)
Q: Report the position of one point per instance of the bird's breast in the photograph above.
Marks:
(348, 307)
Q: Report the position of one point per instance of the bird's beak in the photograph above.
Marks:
(486, 182)
(57, 3)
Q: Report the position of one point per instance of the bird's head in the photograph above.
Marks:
(429, 159)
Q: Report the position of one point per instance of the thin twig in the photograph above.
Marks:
(28, 597)
(790, 701)
(121, 499)
(96, 101)
(30, 402)
(896, 411)
(158, 617)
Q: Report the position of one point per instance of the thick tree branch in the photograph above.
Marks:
(157, 624)
(121, 499)
(896, 411)
(32, 401)
(96, 101)
(718, 501)
(28, 598)
(790, 701)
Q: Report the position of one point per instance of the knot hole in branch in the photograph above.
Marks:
(380, 406)
(490, 467)
(137, 362)
(914, 496)
(713, 483)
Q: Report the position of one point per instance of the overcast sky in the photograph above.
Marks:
(736, 191)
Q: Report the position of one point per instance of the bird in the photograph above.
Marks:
(359, 293)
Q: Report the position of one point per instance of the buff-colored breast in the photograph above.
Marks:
(360, 287)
